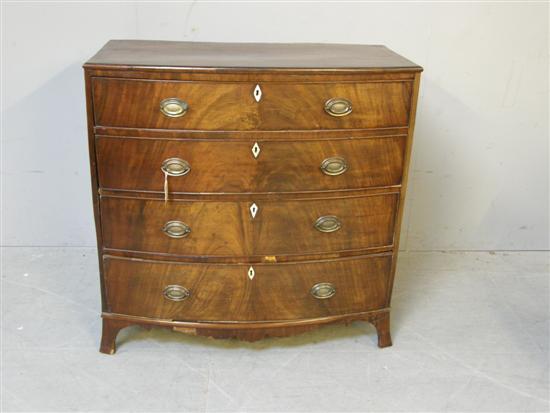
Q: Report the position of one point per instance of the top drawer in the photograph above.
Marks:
(250, 106)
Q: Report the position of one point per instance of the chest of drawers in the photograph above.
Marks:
(247, 190)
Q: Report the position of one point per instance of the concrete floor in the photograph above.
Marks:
(470, 333)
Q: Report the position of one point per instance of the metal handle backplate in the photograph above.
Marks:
(173, 107)
(176, 293)
(176, 229)
(338, 107)
(175, 167)
(322, 291)
(334, 166)
(327, 223)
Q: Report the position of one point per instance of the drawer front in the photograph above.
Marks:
(215, 292)
(218, 228)
(221, 166)
(233, 106)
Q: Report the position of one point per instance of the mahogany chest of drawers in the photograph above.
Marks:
(248, 190)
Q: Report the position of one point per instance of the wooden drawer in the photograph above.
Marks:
(230, 166)
(226, 228)
(225, 292)
(232, 106)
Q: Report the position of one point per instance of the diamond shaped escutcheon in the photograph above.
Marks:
(257, 93)
(256, 150)
(253, 210)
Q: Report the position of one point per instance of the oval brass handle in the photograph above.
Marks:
(334, 166)
(338, 107)
(322, 291)
(176, 293)
(176, 229)
(175, 167)
(173, 107)
(327, 223)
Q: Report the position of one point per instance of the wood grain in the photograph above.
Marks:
(247, 331)
(172, 55)
(231, 106)
(129, 138)
(226, 228)
(224, 292)
(250, 75)
(301, 135)
(94, 182)
(408, 154)
(220, 166)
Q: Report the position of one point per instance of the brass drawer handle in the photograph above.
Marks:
(338, 107)
(176, 229)
(173, 107)
(176, 293)
(334, 166)
(322, 291)
(175, 167)
(328, 223)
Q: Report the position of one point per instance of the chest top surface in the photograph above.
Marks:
(249, 56)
